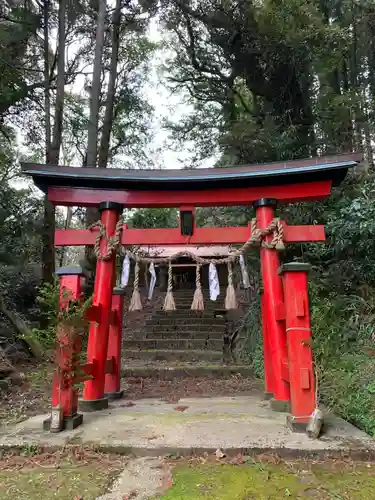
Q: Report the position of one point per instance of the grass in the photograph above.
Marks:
(84, 475)
(66, 483)
(266, 481)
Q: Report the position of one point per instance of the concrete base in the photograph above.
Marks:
(92, 405)
(268, 396)
(295, 425)
(112, 396)
(149, 427)
(280, 406)
(69, 423)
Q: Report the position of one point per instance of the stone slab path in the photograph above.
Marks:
(195, 425)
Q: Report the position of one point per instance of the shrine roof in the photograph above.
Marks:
(289, 172)
(201, 251)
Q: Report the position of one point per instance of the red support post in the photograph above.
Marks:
(298, 328)
(112, 387)
(93, 394)
(64, 394)
(274, 307)
(267, 360)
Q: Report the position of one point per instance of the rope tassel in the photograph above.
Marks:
(198, 301)
(230, 299)
(279, 237)
(169, 304)
(136, 303)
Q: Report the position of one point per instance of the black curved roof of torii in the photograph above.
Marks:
(332, 168)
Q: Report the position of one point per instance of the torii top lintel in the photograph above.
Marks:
(290, 181)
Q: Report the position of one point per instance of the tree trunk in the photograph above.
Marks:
(92, 129)
(60, 89)
(22, 329)
(53, 147)
(366, 130)
(110, 101)
(48, 257)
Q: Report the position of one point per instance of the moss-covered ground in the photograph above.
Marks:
(86, 475)
(272, 481)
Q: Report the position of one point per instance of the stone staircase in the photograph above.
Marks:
(179, 336)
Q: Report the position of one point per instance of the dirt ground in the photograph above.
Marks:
(192, 387)
(33, 396)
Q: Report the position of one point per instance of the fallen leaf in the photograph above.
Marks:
(129, 404)
(181, 408)
(219, 453)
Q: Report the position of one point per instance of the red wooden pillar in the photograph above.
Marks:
(273, 304)
(93, 395)
(112, 380)
(267, 360)
(298, 328)
(64, 393)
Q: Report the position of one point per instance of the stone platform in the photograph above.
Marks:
(193, 426)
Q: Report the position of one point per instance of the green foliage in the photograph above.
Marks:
(48, 301)
(71, 318)
(18, 27)
(272, 80)
(149, 218)
(21, 215)
(342, 340)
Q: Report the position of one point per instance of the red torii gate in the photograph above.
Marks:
(289, 376)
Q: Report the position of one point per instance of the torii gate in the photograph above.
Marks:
(289, 375)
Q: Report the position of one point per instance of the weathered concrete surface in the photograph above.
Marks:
(153, 428)
(142, 478)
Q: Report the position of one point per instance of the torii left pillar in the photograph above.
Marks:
(64, 391)
(94, 398)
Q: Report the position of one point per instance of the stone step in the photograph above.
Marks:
(185, 371)
(187, 308)
(193, 319)
(189, 298)
(176, 355)
(163, 344)
(180, 329)
(185, 313)
(156, 335)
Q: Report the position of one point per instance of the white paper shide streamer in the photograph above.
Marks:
(125, 272)
(213, 281)
(245, 274)
(151, 270)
